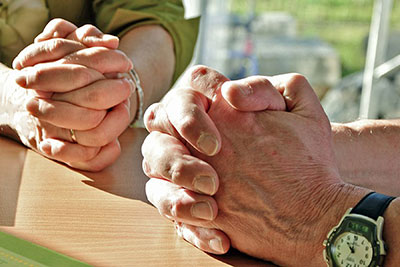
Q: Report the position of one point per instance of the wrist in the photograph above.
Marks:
(153, 57)
(391, 233)
(137, 109)
(343, 197)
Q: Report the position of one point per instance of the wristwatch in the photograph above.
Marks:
(357, 240)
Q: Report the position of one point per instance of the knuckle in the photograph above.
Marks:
(124, 118)
(205, 77)
(94, 118)
(264, 81)
(150, 116)
(89, 153)
(125, 87)
(127, 64)
(177, 208)
(146, 168)
(148, 143)
(198, 70)
(93, 96)
(83, 76)
(96, 167)
(166, 169)
(177, 171)
(34, 76)
(89, 29)
(187, 124)
(297, 80)
(54, 45)
(97, 55)
(165, 207)
(102, 138)
(57, 23)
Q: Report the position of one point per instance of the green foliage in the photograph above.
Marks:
(342, 23)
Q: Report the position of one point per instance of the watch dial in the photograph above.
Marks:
(352, 250)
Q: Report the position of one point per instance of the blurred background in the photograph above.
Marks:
(325, 40)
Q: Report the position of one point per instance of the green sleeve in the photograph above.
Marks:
(119, 16)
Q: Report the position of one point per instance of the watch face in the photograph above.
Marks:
(352, 250)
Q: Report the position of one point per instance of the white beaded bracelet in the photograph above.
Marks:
(138, 120)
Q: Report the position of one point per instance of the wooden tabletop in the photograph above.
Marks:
(99, 218)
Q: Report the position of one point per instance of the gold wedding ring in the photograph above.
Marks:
(73, 136)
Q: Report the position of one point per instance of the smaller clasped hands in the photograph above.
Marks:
(75, 99)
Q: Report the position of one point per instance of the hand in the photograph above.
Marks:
(75, 60)
(180, 118)
(305, 171)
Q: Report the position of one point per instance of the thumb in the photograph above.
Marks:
(255, 93)
(88, 35)
(91, 36)
(56, 28)
(299, 96)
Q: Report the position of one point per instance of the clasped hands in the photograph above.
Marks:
(70, 78)
(245, 163)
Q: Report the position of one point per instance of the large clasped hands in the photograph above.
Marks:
(267, 177)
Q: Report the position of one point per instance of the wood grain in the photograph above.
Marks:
(100, 218)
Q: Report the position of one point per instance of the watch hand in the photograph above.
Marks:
(351, 247)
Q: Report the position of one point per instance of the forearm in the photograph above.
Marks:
(152, 52)
(368, 154)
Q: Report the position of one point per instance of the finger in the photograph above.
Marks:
(102, 59)
(254, 93)
(204, 80)
(49, 50)
(112, 126)
(91, 36)
(65, 151)
(102, 94)
(176, 203)
(107, 155)
(186, 110)
(209, 240)
(56, 28)
(156, 119)
(166, 157)
(56, 77)
(298, 94)
(88, 34)
(65, 115)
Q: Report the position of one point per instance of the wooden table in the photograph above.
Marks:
(100, 218)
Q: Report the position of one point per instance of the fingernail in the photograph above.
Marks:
(208, 144)
(16, 65)
(32, 105)
(202, 210)
(109, 37)
(20, 78)
(132, 85)
(216, 245)
(204, 184)
(92, 39)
